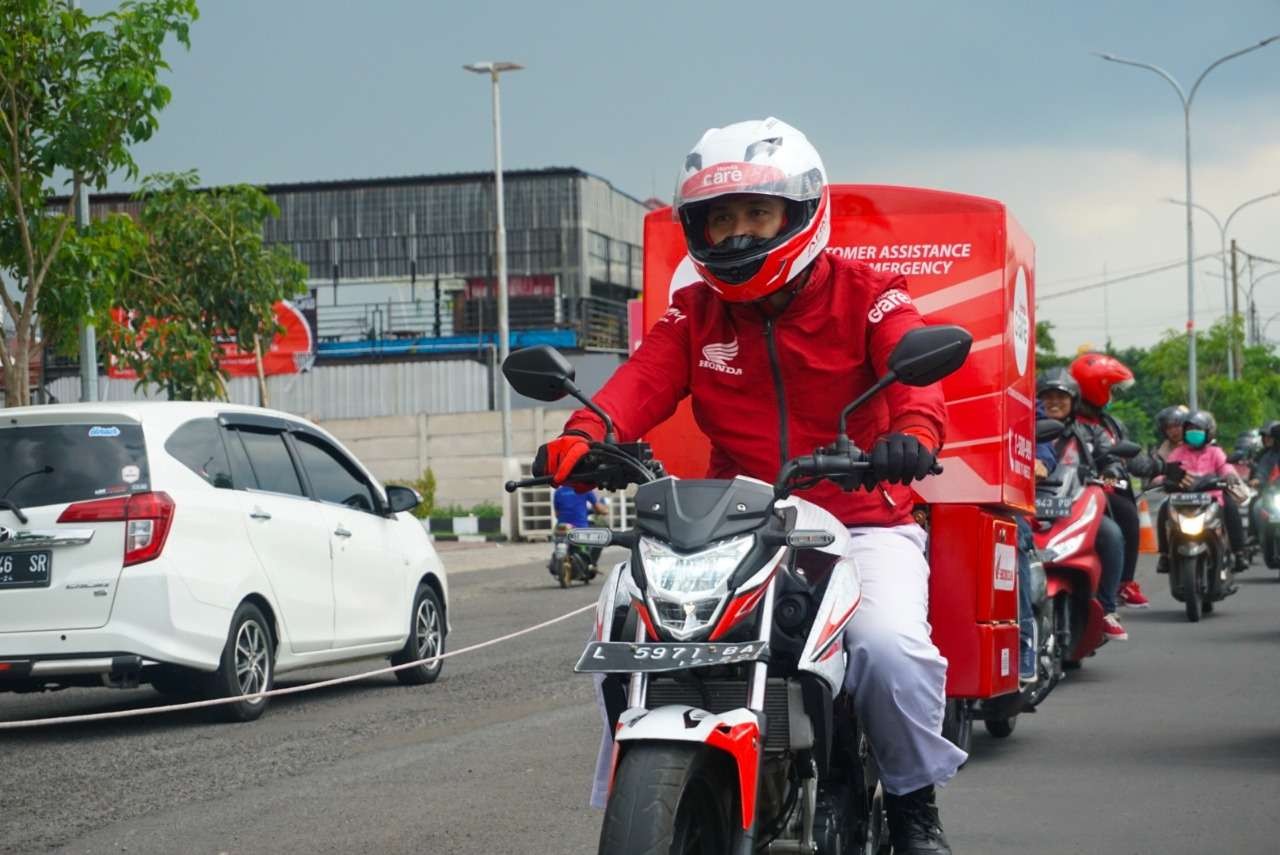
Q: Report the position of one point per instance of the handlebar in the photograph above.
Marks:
(608, 466)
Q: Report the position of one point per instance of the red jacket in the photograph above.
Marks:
(829, 345)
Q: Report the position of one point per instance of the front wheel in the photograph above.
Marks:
(426, 639)
(1190, 590)
(671, 798)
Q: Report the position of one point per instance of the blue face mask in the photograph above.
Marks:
(1195, 438)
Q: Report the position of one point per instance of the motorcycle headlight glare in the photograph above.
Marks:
(693, 574)
(1192, 526)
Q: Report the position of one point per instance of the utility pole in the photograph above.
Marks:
(1234, 340)
(1106, 310)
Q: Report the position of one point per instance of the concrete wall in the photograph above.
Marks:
(464, 450)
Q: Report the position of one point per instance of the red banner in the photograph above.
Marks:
(517, 286)
(288, 353)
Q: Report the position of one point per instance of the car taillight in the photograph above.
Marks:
(147, 517)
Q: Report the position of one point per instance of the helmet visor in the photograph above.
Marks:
(727, 179)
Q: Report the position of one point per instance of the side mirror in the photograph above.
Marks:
(1047, 430)
(540, 372)
(1124, 449)
(926, 355)
(401, 499)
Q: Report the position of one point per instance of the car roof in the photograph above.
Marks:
(164, 414)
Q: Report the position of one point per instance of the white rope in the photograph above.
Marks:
(292, 690)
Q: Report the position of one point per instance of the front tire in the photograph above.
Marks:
(1190, 590)
(247, 666)
(426, 639)
(671, 798)
(957, 724)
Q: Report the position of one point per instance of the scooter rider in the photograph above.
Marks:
(771, 345)
(1169, 430)
(1268, 467)
(1098, 374)
(1086, 446)
(1198, 457)
(575, 509)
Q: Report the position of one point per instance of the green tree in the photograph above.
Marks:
(76, 91)
(1046, 348)
(199, 276)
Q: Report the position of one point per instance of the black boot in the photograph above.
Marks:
(914, 826)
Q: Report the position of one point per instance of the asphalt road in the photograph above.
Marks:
(1167, 744)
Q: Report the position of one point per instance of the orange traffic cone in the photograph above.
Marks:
(1147, 543)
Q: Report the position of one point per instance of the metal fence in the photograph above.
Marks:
(598, 323)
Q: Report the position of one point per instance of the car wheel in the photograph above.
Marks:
(247, 667)
(426, 639)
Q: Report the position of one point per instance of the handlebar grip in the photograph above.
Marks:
(512, 486)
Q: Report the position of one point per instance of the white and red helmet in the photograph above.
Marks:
(766, 158)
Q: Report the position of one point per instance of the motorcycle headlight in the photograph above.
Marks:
(687, 589)
(1192, 526)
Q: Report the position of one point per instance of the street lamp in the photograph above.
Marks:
(494, 69)
(1226, 283)
(1186, 100)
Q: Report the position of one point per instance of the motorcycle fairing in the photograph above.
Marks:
(736, 732)
(823, 652)
(616, 593)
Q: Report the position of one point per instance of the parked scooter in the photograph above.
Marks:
(721, 642)
(1197, 548)
(1070, 507)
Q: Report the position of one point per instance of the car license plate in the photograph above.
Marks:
(623, 657)
(1053, 507)
(25, 569)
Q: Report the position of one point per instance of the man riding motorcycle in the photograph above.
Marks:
(1169, 430)
(1267, 468)
(1097, 375)
(1087, 445)
(771, 344)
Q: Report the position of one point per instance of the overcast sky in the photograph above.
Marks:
(1000, 99)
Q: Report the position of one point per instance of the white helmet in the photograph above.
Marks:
(767, 158)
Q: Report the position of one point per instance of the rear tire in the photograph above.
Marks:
(426, 638)
(671, 798)
(1001, 728)
(248, 666)
(1190, 590)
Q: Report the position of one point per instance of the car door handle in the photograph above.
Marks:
(259, 514)
(341, 532)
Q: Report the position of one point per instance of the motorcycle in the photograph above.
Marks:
(1197, 548)
(720, 642)
(1070, 506)
(1266, 508)
(569, 562)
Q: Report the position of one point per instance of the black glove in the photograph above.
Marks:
(899, 458)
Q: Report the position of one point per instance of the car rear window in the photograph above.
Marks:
(57, 464)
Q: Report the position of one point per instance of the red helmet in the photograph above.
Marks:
(1097, 375)
(765, 158)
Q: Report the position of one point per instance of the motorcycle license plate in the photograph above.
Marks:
(1053, 507)
(25, 569)
(1191, 498)
(624, 657)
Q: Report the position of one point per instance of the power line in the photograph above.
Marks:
(1082, 277)
(1096, 285)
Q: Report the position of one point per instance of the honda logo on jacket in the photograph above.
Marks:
(718, 356)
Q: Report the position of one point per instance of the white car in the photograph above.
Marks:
(203, 548)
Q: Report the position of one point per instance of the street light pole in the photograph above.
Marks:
(494, 69)
(1226, 281)
(1186, 100)
(1253, 309)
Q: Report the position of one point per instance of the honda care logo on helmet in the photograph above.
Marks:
(732, 177)
(888, 301)
(718, 356)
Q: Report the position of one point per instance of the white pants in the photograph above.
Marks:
(896, 675)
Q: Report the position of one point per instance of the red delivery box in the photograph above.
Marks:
(966, 261)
